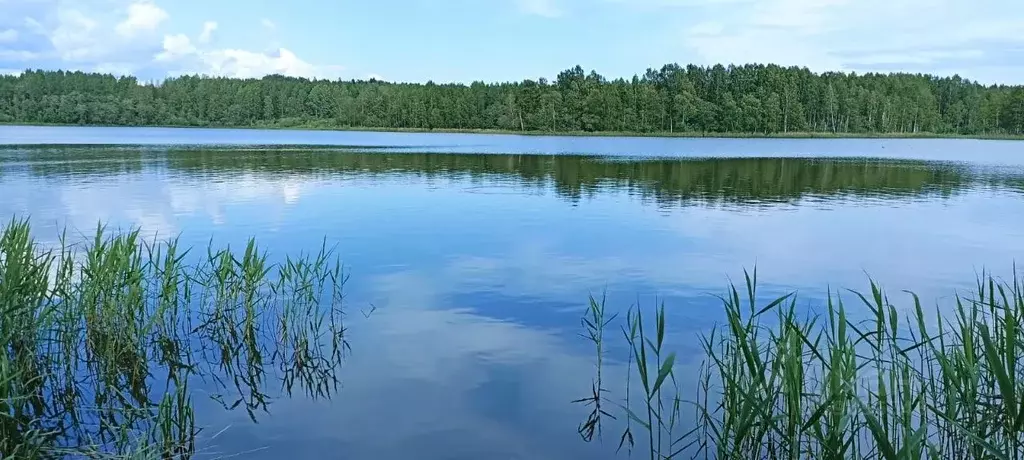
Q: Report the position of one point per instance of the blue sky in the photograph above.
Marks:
(500, 40)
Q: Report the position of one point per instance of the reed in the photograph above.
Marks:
(778, 384)
(101, 340)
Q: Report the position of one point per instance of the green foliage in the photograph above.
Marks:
(754, 98)
(101, 342)
(899, 384)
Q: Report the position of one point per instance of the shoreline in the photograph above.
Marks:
(684, 135)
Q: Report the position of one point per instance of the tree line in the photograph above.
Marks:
(753, 98)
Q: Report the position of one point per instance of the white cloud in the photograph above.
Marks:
(176, 46)
(544, 8)
(8, 36)
(133, 37)
(268, 24)
(74, 38)
(248, 64)
(912, 35)
(179, 50)
(208, 28)
(142, 17)
(114, 68)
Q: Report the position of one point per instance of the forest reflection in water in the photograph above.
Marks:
(668, 182)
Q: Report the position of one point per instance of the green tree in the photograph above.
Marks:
(754, 98)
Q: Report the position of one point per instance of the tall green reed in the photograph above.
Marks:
(884, 382)
(594, 323)
(101, 340)
(659, 413)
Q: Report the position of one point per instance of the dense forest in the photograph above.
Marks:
(755, 99)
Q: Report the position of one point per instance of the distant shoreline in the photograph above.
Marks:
(684, 134)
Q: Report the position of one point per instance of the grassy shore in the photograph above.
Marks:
(305, 126)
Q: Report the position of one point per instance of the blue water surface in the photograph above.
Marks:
(476, 253)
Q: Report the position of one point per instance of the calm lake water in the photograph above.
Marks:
(471, 256)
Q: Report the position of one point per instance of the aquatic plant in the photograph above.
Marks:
(780, 384)
(101, 340)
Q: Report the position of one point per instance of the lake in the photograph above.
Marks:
(471, 257)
